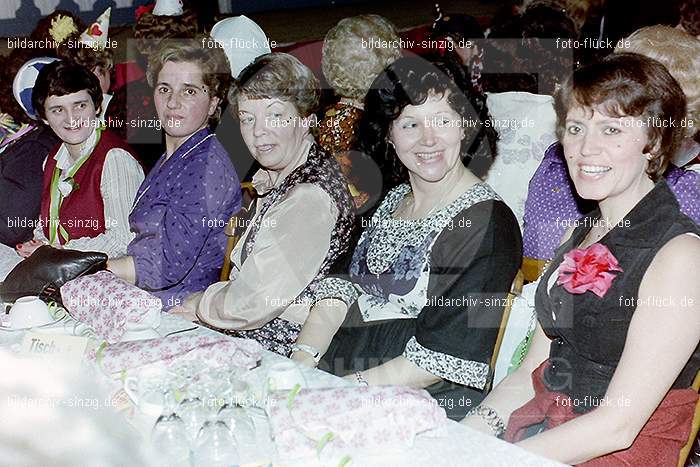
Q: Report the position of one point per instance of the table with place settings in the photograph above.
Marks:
(226, 373)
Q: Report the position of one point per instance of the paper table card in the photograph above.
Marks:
(68, 350)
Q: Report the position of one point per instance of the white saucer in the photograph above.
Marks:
(5, 324)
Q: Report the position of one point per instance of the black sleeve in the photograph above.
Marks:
(472, 266)
(21, 184)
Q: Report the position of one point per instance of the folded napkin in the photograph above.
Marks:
(352, 418)
(109, 305)
(215, 349)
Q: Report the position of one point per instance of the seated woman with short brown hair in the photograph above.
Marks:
(91, 178)
(616, 350)
(303, 216)
(185, 201)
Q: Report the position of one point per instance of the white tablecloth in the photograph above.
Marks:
(8, 260)
(462, 445)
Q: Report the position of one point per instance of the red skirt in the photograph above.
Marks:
(659, 442)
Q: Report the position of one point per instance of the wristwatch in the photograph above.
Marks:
(311, 350)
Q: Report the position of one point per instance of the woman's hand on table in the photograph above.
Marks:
(26, 249)
(477, 423)
(184, 313)
(123, 268)
(188, 309)
(304, 358)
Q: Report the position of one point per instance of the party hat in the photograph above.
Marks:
(168, 8)
(96, 34)
(23, 84)
(242, 40)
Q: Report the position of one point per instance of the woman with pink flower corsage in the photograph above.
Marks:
(608, 377)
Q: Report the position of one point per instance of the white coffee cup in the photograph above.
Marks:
(144, 329)
(284, 376)
(28, 312)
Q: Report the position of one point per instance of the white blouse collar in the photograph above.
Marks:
(65, 162)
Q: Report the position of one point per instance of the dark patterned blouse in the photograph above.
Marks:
(588, 331)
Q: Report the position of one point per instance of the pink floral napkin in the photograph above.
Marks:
(108, 304)
(213, 348)
(352, 418)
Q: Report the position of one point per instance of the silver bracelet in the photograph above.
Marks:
(360, 379)
(309, 349)
(491, 417)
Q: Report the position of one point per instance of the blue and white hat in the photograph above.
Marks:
(23, 85)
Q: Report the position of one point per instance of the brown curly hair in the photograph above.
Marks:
(85, 55)
(278, 75)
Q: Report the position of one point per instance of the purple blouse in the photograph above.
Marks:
(552, 202)
(179, 217)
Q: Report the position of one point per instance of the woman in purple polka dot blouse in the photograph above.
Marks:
(185, 201)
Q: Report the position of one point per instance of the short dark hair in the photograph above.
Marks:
(410, 81)
(63, 78)
(627, 84)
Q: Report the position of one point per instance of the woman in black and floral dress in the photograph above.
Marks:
(428, 280)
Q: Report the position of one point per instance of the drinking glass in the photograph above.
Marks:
(169, 439)
(212, 393)
(189, 370)
(238, 421)
(193, 414)
(216, 446)
(240, 392)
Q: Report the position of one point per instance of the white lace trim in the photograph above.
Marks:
(389, 235)
(466, 372)
(334, 287)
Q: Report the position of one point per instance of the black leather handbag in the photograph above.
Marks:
(46, 270)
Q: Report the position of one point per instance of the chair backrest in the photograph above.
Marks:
(515, 290)
(533, 268)
(234, 229)
(685, 452)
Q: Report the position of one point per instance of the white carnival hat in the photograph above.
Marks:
(96, 34)
(168, 8)
(23, 84)
(242, 40)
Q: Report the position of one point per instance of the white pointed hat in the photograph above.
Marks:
(96, 34)
(168, 8)
(242, 40)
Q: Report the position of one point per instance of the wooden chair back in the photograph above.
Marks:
(515, 289)
(533, 268)
(234, 228)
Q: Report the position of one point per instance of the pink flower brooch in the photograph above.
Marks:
(585, 269)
